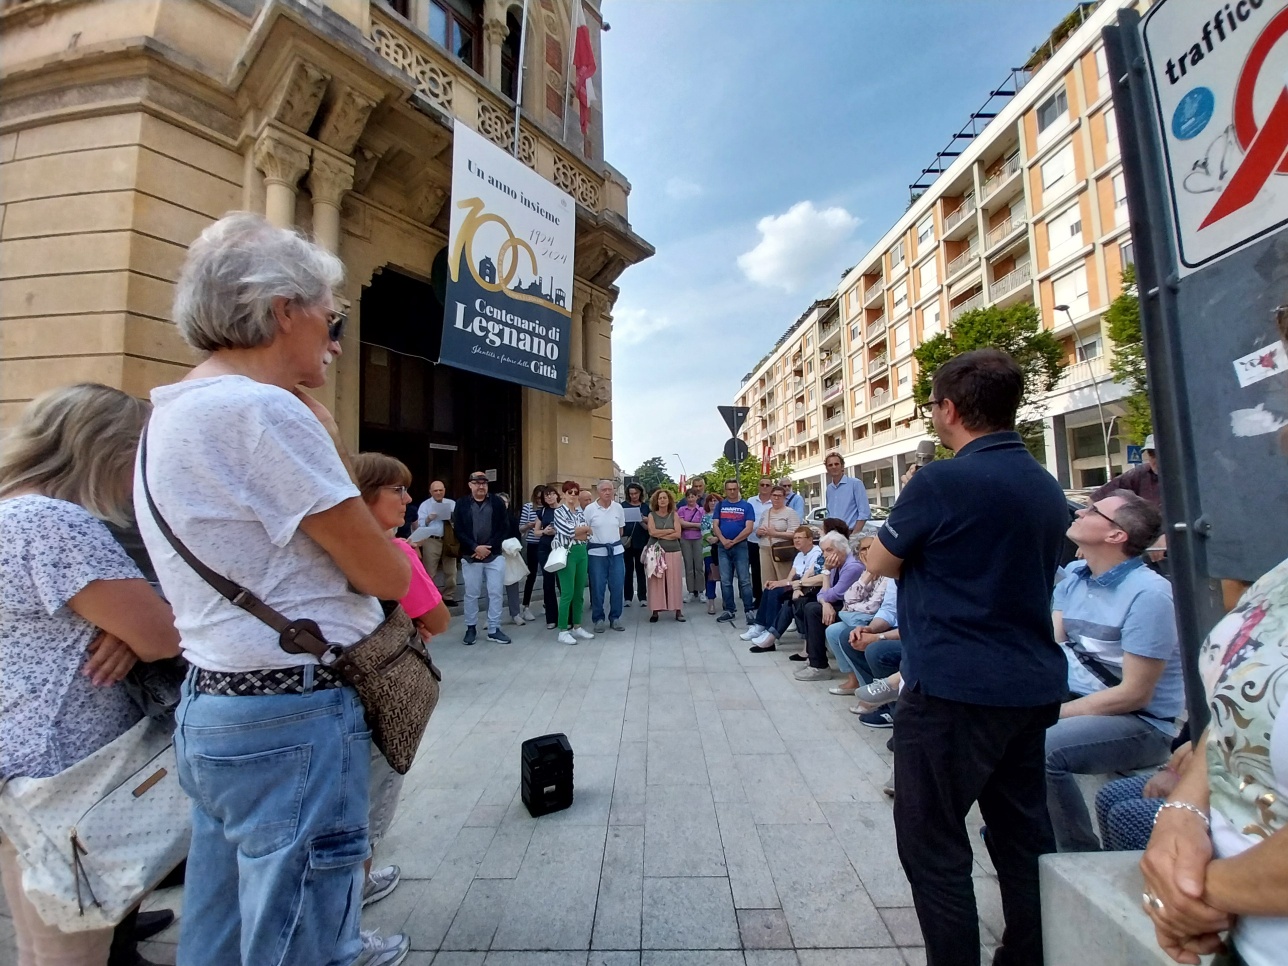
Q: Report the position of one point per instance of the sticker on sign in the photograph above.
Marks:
(1219, 75)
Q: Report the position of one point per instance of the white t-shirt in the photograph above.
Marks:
(605, 524)
(234, 466)
(442, 510)
(804, 563)
(761, 508)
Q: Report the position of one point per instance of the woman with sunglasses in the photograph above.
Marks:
(572, 533)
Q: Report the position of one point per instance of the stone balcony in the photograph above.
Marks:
(458, 92)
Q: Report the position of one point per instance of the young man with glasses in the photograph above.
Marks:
(975, 542)
(1114, 619)
(481, 522)
(735, 518)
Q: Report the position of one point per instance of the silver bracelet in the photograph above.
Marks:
(1207, 824)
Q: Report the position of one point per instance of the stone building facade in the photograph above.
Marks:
(127, 126)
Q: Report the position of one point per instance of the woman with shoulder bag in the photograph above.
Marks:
(775, 530)
(545, 529)
(710, 562)
(242, 474)
(572, 535)
(635, 538)
(77, 611)
(665, 588)
(691, 543)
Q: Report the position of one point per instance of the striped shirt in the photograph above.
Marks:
(566, 524)
(526, 516)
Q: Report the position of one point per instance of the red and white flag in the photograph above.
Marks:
(766, 458)
(684, 484)
(583, 62)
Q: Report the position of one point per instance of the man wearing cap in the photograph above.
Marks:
(481, 522)
(1141, 480)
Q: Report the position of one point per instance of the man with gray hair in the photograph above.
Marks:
(1114, 620)
(434, 515)
(606, 557)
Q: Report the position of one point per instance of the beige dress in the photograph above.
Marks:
(783, 524)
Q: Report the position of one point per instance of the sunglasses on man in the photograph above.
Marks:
(335, 324)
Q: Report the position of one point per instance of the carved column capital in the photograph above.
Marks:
(330, 179)
(345, 118)
(282, 160)
(495, 31)
(425, 201)
(299, 95)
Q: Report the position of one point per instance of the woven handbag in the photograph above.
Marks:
(390, 668)
(98, 836)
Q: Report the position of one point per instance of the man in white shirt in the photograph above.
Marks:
(607, 560)
(433, 514)
(761, 503)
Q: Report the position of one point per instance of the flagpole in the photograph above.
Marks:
(575, 5)
(518, 84)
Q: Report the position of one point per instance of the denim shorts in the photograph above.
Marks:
(279, 786)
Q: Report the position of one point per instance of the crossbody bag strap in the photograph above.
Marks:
(1104, 673)
(295, 637)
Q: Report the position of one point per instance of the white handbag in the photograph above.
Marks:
(96, 838)
(557, 560)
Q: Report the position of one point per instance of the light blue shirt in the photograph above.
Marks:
(848, 500)
(796, 503)
(889, 609)
(1126, 609)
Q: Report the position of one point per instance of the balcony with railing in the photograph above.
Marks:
(834, 390)
(834, 421)
(956, 222)
(1002, 178)
(878, 363)
(877, 327)
(1015, 221)
(829, 363)
(829, 332)
(960, 309)
(456, 91)
(880, 397)
(967, 259)
(875, 289)
(1013, 281)
(1079, 373)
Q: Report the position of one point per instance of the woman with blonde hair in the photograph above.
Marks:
(246, 469)
(77, 612)
(665, 590)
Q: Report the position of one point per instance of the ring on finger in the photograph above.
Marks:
(1152, 901)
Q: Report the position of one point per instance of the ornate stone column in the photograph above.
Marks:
(494, 33)
(576, 331)
(596, 307)
(283, 162)
(329, 181)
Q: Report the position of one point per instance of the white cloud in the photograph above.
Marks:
(681, 189)
(631, 326)
(797, 246)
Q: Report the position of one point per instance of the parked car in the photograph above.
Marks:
(877, 520)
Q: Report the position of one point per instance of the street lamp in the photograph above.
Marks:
(1095, 388)
(682, 467)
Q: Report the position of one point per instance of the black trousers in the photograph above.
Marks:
(531, 552)
(947, 756)
(634, 573)
(753, 553)
(815, 634)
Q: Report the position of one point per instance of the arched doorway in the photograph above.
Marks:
(442, 422)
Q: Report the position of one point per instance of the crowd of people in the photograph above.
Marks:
(1003, 670)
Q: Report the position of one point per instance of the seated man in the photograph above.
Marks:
(1114, 616)
(860, 606)
(775, 612)
(874, 653)
(844, 569)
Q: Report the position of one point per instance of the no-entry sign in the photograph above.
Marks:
(1219, 77)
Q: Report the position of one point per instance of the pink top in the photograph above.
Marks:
(691, 514)
(422, 595)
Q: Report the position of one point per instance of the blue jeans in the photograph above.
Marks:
(610, 571)
(278, 839)
(493, 571)
(732, 558)
(838, 633)
(1093, 745)
(879, 660)
(775, 609)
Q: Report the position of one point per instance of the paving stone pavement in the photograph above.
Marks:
(725, 814)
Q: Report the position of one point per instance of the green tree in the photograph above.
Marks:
(1016, 329)
(652, 474)
(1122, 322)
(747, 474)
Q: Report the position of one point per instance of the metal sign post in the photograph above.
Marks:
(1210, 268)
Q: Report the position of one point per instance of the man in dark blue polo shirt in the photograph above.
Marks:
(975, 541)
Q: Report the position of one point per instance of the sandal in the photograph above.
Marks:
(679, 616)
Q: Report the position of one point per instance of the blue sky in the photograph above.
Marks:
(768, 145)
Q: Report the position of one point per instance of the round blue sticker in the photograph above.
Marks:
(1193, 113)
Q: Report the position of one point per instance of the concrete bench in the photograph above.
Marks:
(1091, 911)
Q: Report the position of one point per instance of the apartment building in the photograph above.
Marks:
(1033, 209)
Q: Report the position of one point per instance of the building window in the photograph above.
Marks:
(1088, 349)
(1071, 289)
(455, 25)
(903, 379)
(930, 321)
(896, 254)
(1053, 109)
(1102, 70)
(902, 338)
(510, 57)
(929, 278)
(1111, 132)
(925, 234)
(1120, 199)
(1064, 232)
(1127, 253)
(1057, 171)
(900, 300)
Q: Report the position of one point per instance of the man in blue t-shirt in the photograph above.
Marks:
(735, 518)
(975, 541)
(1115, 620)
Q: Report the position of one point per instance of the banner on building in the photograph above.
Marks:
(509, 268)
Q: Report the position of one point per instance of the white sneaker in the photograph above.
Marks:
(813, 674)
(752, 632)
(584, 634)
(527, 614)
(566, 638)
(380, 882)
(387, 951)
(766, 637)
(517, 620)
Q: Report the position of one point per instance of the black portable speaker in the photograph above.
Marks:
(546, 769)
